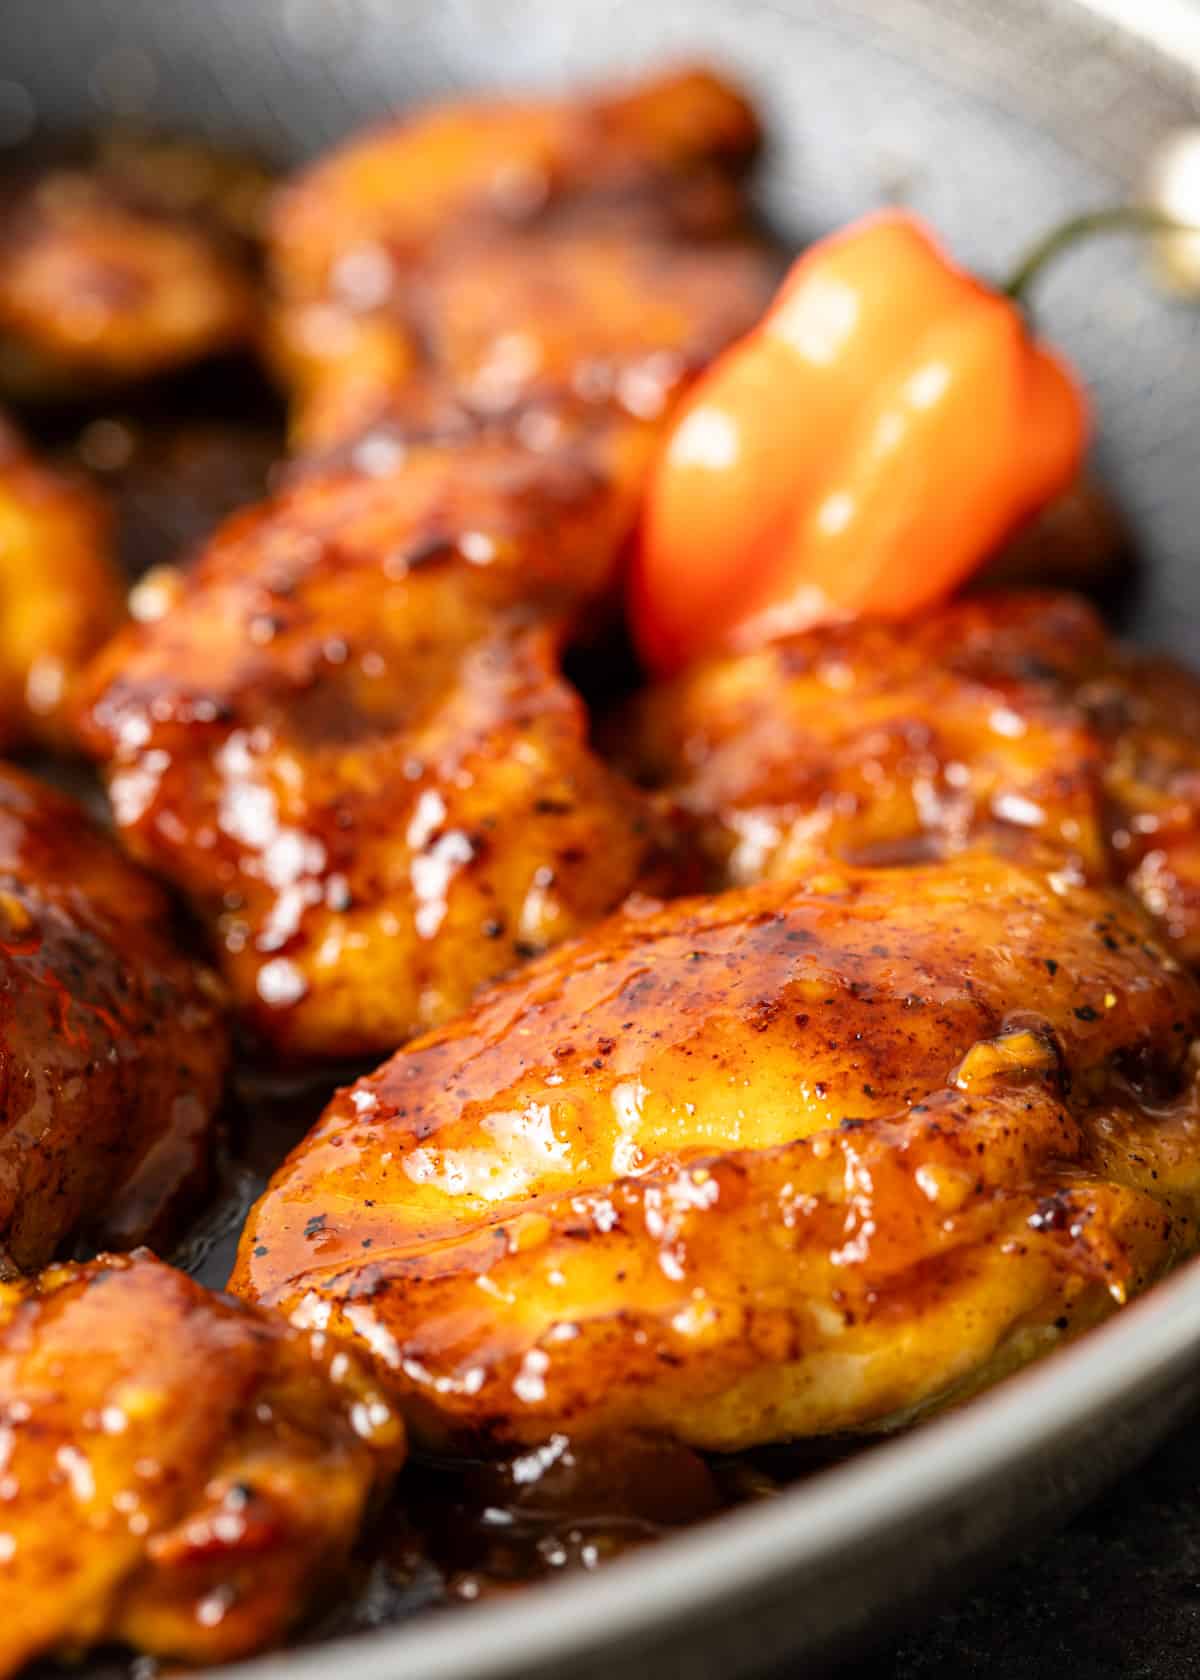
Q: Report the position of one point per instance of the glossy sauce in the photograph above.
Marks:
(461, 1530)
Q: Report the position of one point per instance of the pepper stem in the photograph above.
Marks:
(1116, 218)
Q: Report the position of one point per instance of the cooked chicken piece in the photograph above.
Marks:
(181, 1473)
(506, 251)
(349, 743)
(112, 1045)
(60, 591)
(665, 146)
(1013, 722)
(799, 1158)
(529, 323)
(130, 263)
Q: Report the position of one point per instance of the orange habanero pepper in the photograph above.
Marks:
(882, 430)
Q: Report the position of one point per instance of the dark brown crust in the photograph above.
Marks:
(113, 1046)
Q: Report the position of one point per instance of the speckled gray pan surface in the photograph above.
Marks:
(994, 119)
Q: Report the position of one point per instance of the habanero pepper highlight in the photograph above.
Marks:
(884, 429)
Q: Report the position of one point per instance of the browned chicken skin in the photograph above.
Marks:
(1013, 722)
(180, 1472)
(130, 263)
(499, 253)
(348, 739)
(798, 1158)
(112, 1045)
(60, 596)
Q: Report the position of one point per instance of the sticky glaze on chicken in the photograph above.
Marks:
(60, 597)
(348, 741)
(348, 738)
(795, 1159)
(130, 262)
(1013, 722)
(503, 253)
(181, 1473)
(112, 1045)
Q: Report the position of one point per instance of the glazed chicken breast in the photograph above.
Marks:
(800, 1158)
(129, 262)
(346, 735)
(347, 738)
(112, 1044)
(181, 1473)
(498, 254)
(1013, 722)
(60, 595)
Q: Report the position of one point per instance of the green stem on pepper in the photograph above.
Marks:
(1116, 218)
